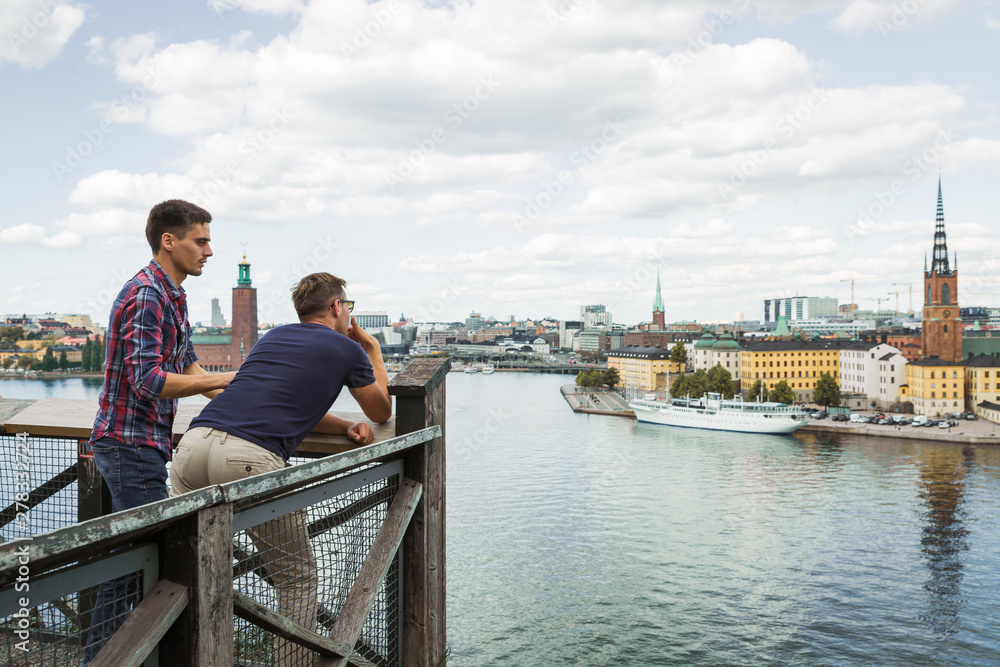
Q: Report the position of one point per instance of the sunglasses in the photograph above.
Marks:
(347, 304)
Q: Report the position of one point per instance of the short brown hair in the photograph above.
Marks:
(315, 293)
(174, 216)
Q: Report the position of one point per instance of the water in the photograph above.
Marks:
(589, 540)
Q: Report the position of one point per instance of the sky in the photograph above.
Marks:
(510, 157)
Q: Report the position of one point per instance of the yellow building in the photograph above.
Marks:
(17, 352)
(644, 368)
(798, 362)
(935, 386)
(982, 380)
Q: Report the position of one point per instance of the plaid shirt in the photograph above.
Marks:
(148, 337)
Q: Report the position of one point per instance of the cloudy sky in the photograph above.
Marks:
(513, 157)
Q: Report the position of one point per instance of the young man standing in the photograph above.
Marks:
(150, 364)
(282, 392)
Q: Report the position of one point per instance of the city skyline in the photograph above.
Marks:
(508, 158)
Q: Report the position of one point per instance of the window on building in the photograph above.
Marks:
(932, 396)
(955, 395)
(954, 374)
(932, 375)
(945, 298)
(930, 294)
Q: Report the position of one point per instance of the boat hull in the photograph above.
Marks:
(718, 420)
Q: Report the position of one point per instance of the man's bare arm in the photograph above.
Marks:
(195, 380)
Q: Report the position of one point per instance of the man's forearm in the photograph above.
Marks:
(179, 386)
(332, 425)
(378, 367)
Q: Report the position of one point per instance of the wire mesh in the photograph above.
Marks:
(302, 565)
(38, 484)
(64, 631)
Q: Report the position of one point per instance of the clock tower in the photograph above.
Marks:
(942, 328)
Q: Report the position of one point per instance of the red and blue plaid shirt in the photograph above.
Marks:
(148, 337)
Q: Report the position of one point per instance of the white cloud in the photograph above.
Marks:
(34, 33)
(29, 234)
(257, 6)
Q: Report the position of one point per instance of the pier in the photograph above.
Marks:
(204, 595)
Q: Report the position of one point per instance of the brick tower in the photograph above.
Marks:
(942, 333)
(244, 316)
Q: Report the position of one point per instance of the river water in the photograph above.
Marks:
(590, 540)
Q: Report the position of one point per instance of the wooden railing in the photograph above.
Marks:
(185, 549)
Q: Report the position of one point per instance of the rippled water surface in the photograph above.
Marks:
(580, 539)
(589, 540)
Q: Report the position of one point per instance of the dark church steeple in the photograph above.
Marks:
(940, 263)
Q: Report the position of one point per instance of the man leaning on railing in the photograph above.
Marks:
(283, 391)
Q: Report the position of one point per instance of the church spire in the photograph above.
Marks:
(658, 303)
(940, 263)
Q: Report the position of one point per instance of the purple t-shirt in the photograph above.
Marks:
(287, 383)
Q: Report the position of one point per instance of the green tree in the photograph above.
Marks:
(827, 391)
(757, 391)
(85, 355)
(678, 353)
(782, 393)
(7, 362)
(10, 335)
(97, 356)
(25, 362)
(694, 385)
(49, 360)
(611, 377)
(590, 378)
(63, 361)
(719, 380)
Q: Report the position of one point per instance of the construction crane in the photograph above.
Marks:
(854, 305)
(878, 300)
(910, 285)
(897, 293)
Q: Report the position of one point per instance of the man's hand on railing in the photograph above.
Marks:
(361, 433)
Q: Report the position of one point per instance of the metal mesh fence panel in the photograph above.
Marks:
(302, 565)
(38, 484)
(58, 630)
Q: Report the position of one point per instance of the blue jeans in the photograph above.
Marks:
(136, 476)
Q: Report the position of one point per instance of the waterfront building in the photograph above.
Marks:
(860, 367)
(726, 353)
(702, 352)
(982, 380)
(798, 362)
(800, 308)
(891, 376)
(644, 368)
(936, 386)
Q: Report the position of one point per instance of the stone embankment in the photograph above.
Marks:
(596, 401)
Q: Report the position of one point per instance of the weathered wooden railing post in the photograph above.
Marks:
(420, 402)
(197, 552)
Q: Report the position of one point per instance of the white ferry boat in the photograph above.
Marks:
(713, 412)
(472, 369)
(488, 368)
